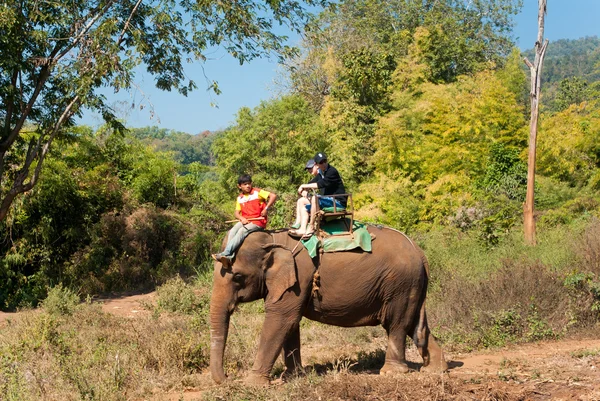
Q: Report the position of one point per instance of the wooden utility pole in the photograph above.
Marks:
(536, 81)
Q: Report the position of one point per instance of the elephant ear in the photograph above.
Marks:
(280, 272)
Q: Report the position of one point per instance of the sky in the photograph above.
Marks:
(253, 82)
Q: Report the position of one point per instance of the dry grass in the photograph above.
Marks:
(589, 247)
(94, 355)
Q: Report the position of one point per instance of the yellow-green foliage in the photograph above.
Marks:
(569, 144)
(389, 201)
(447, 129)
(60, 301)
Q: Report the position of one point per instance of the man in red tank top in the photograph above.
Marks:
(251, 210)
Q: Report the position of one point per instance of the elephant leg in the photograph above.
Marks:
(432, 354)
(395, 359)
(276, 329)
(291, 353)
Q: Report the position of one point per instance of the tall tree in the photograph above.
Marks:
(54, 56)
(463, 37)
(536, 82)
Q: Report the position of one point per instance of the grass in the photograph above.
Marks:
(94, 355)
(487, 297)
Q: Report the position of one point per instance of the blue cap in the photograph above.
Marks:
(310, 164)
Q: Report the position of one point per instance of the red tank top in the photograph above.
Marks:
(252, 205)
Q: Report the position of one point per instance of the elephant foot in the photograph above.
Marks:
(435, 367)
(288, 375)
(257, 380)
(393, 368)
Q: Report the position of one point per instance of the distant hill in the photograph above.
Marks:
(187, 148)
(569, 60)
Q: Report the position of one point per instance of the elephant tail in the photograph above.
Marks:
(425, 263)
(421, 332)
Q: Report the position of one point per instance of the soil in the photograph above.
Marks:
(550, 370)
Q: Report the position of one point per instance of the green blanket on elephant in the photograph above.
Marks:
(360, 238)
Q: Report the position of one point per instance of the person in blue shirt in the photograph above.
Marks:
(327, 181)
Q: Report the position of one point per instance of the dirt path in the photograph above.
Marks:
(557, 370)
(126, 306)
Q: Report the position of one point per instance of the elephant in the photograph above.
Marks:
(386, 286)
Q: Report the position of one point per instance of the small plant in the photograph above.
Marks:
(176, 296)
(583, 353)
(500, 328)
(538, 327)
(61, 301)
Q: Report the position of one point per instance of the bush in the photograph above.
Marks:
(521, 301)
(60, 301)
(177, 296)
(569, 211)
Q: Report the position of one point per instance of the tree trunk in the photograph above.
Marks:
(536, 73)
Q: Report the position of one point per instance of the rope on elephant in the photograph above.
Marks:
(298, 243)
(316, 276)
(380, 226)
(316, 283)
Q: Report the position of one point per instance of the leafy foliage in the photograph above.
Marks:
(442, 129)
(505, 174)
(96, 221)
(569, 147)
(56, 56)
(186, 148)
(271, 143)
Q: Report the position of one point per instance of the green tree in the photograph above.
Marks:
(569, 144)
(272, 143)
(54, 56)
(439, 129)
(186, 148)
(465, 37)
(358, 97)
(572, 91)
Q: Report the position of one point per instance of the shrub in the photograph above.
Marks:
(177, 296)
(60, 301)
(521, 301)
(505, 173)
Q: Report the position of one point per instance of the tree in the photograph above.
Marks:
(536, 82)
(271, 143)
(54, 56)
(464, 37)
(572, 90)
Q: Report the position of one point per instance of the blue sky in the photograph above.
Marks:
(251, 83)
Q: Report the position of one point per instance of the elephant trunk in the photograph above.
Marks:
(219, 328)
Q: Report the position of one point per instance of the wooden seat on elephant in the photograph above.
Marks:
(346, 214)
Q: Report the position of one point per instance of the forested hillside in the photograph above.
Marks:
(571, 72)
(423, 112)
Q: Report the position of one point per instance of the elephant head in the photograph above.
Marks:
(261, 269)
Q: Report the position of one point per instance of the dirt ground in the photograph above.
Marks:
(556, 370)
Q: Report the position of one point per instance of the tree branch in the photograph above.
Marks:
(128, 21)
(85, 30)
(6, 144)
(68, 113)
